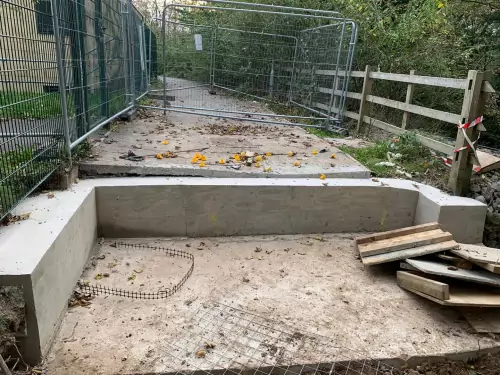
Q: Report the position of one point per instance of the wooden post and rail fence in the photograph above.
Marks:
(475, 87)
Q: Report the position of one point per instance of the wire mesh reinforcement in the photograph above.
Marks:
(294, 61)
(67, 67)
(87, 288)
(219, 339)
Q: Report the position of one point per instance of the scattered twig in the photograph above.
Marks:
(4, 367)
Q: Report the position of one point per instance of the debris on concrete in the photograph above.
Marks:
(436, 267)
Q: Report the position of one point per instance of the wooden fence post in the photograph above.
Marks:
(473, 106)
(363, 104)
(409, 98)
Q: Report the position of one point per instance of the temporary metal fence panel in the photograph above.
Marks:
(218, 58)
(68, 68)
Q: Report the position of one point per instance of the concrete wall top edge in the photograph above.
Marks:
(22, 245)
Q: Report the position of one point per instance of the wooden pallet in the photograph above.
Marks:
(403, 243)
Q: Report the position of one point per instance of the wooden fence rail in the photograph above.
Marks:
(475, 88)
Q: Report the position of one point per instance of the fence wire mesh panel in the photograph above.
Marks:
(68, 67)
(256, 62)
(219, 339)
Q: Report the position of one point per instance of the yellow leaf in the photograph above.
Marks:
(440, 5)
(258, 158)
(236, 157)
(257, 165)
(194, 160)
(334, 156)
(322, 177)
(198, 155)
(222, 161)
(98, 276)
(268, 169)
(269, 154)
(203, 158)
(202, 165)
(243, 154)
(315, 152)
(165, 142)
(296, 164)
(159, 156)
(291, 153)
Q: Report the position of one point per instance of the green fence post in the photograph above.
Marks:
(79, 69)
(101, 58)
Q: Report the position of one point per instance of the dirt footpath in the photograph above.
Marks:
(158, 144)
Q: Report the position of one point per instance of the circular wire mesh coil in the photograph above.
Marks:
(95, 290)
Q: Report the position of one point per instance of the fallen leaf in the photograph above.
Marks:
(132, 277)
(258, 158)
(209, 345)
(203, 158)
(269, 154)
(268, 169)
(98, 276)
(322, 177)
(296, 164)
(165, 142)
(222, 161)
(111, 265)
(159, 156)
(246, 279)
(291, 153)
(260, 258)
(315, 152)
(258, 249)
(257, 165)
(334, 156)
(201, 353)
(202, 165)
(138, 271)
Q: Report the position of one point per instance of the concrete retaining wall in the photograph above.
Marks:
(47, 253)
(213, 210)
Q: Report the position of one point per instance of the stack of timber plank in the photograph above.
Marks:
(403, 243)
(436, 267)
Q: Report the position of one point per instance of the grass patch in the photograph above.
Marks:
(35, 105)
(323, 133)
(409, 157)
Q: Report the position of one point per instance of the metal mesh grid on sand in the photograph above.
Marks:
(223, 340)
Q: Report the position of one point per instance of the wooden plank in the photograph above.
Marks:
(409, 253)
(408, 267)
(352, 95)
(454, 83)
(445, 270)
(353, 74)
(396, 233)
(416, 109)
(428, 142)
(483, 320)
(478, 253)
(393, 233)
(408, 100)
(363, 105)
(404, 242)
(487, 162)
(433, 288)
(487, 87)
(465, 297)
(495, 268)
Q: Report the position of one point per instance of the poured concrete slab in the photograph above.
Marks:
(312, 283)
(217, 139)
(46, 253)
